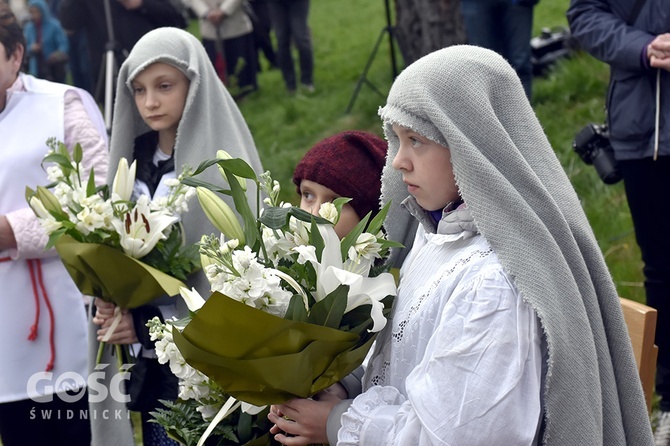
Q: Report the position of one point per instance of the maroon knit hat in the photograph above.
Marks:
(350, 164)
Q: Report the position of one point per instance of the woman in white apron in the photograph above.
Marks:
(42, 314)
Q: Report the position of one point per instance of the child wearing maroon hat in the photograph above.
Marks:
(348, 164)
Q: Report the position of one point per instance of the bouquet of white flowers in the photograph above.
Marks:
(294, 309)
(125, 252)
(200, 399)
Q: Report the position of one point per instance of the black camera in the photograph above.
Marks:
(550, 46)
(593, 146)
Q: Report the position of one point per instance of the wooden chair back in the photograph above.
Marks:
(641, 322)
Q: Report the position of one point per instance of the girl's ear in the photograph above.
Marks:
(17, 57)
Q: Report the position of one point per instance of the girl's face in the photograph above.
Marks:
(313, 195)
(160, 95)
(426, 169)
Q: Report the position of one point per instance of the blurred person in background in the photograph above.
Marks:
(504, 26)
(260, 16)
(227, 34)
(289, 20)
(633, 38)
(46, 43)
(130, 19)
(78, 62)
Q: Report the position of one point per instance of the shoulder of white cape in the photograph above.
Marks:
(35, 85)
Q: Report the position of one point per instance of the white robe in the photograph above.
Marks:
(461, 363)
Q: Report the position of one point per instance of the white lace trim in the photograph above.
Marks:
(380, 378)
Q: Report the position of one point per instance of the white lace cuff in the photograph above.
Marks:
(371, 417)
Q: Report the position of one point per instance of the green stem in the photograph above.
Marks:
(119, 356)
(258, 223)
(98, 357)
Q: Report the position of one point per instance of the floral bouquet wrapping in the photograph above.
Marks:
(293, 309)
(125, 252)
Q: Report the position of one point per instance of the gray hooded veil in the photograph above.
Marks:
(211, 121)
(470, 100)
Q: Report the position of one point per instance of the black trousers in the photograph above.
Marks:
(55, 423)
(647, 184)
(241, 58)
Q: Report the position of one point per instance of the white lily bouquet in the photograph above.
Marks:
(293, 308)
(125, 252)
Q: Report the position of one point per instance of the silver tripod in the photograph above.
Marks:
(109, 68)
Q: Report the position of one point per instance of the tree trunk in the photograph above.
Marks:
(423, 26)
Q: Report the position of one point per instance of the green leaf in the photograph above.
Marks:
(350, 239)
(390, 244)
(316, 240)
(376, 224)
(244, 432)
(63, 161)
(236, 166)
(90, 186)
(194, 182)
(277, 217)
(242, 205)
(296, 309)
(29, 194)
(339, 203)
(54, 236)
(329, 311)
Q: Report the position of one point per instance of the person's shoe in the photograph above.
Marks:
(662, 432)
(309, 88)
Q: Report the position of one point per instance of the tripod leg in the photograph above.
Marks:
(363, 77)
(110, 68)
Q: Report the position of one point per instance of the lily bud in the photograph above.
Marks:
(124, 180)
(220, 214)
(48, 200)
(39, 208)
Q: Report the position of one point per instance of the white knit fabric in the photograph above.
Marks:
(470, 100)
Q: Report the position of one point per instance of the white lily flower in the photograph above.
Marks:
(362, 291)
(124, 180)
(330, 274)
(142, 229)
(306, 253)
(54, 173)
(192, 298)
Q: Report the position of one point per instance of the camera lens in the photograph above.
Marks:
(605, 165)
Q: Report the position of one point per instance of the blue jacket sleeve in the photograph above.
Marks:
(600, 28)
